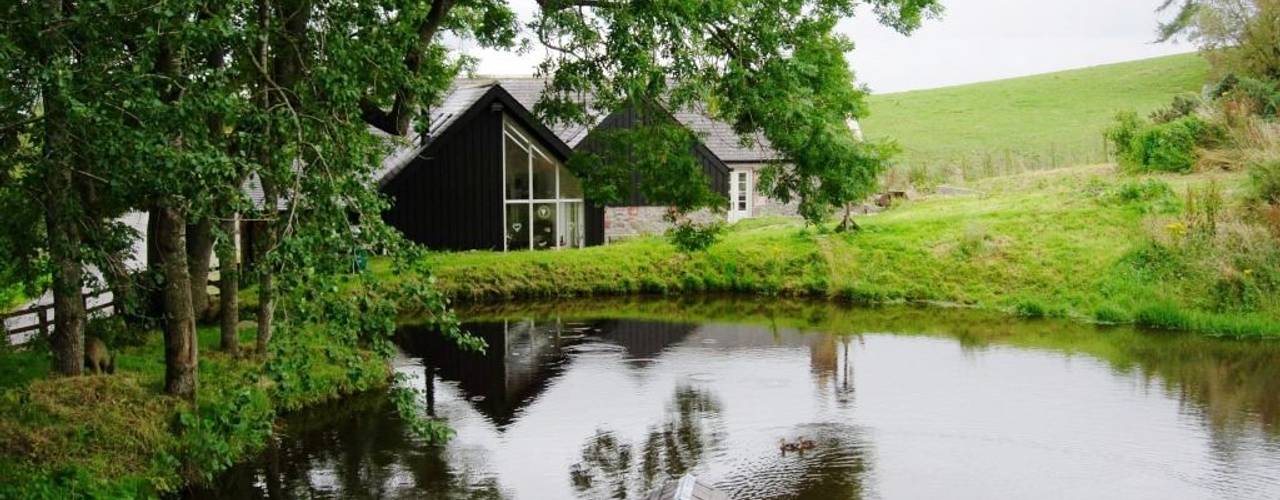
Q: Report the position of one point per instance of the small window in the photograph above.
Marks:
(518, 226)
(517, 169)
(544, 225)
(544, 178)
(570, 188)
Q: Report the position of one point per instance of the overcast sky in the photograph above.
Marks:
(976, 40)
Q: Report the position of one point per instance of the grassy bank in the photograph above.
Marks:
(1041, 121)
(116, 436)
(1076, 243)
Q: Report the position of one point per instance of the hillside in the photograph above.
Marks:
(1054, 119)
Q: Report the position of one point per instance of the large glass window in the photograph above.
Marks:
(544, 206)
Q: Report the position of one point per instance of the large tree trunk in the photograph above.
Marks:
(67, 340)
(229, 285)
(62, 208)
(199, 253)
(180, 347)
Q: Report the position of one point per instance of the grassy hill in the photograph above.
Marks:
(1041, 121)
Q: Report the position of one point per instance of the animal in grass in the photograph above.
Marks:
(96, 357)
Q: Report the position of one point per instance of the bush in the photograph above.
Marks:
(688, 236)
(1164, 147)
(1264, 182)
(1183, 105)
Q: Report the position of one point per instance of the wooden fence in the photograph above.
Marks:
(43, 313)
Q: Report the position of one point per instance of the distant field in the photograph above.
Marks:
(1041, 121)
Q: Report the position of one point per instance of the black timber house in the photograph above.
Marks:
(489, 175)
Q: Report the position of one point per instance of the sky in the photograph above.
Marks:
(975, 40)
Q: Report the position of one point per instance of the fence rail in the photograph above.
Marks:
(43, 322)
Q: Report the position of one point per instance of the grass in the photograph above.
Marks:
(1041, 121)
(1073, 243)
(114, 436)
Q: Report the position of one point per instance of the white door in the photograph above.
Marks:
(739, 195)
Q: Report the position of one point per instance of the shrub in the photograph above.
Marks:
(1165, 147)
(1183, 105)
(1121, 135)
(1264, 182)
(689, 236)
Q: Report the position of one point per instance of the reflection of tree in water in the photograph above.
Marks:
(358, 448)
(831, 362)
(608, 468)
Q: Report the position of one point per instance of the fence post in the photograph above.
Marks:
(43, 314)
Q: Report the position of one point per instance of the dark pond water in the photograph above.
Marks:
(608, 400)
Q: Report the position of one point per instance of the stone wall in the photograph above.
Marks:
(621, 223)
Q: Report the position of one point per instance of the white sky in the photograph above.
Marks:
(976, 40)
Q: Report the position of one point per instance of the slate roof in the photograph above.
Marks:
(718, 136)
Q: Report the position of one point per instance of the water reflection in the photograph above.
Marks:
(609, 399)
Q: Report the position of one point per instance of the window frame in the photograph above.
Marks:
(511, 130)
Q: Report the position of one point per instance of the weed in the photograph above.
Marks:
(1163, 316)
(1110, 314)
(1030, 309)
(1264, 182)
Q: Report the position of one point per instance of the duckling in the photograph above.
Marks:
(807, 444)
(786, 447)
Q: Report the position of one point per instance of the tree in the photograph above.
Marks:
(772, 68)
(1237, 36)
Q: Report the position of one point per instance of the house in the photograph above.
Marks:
(488, 174)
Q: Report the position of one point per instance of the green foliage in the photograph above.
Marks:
(1166, 147)
(1029, 309)
(690, 236)
(1110, 314)
(1183, 105)
(789, 83)
(656, 157)
(1264, 182)
(1262, 97)
(1163, 316)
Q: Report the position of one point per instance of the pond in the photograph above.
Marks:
(608, 399)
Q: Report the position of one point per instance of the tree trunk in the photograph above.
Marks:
(199, 253)
(229, 285)
(848, 223)
(266, 286)
(61, 214)
(180, 348)
(67, 340)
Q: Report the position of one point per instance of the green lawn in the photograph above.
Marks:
(1040, 243)
(1040, 121)
(116, 436)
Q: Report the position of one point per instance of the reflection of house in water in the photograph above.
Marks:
(644, 340)
(522, 358)
(525, 356)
